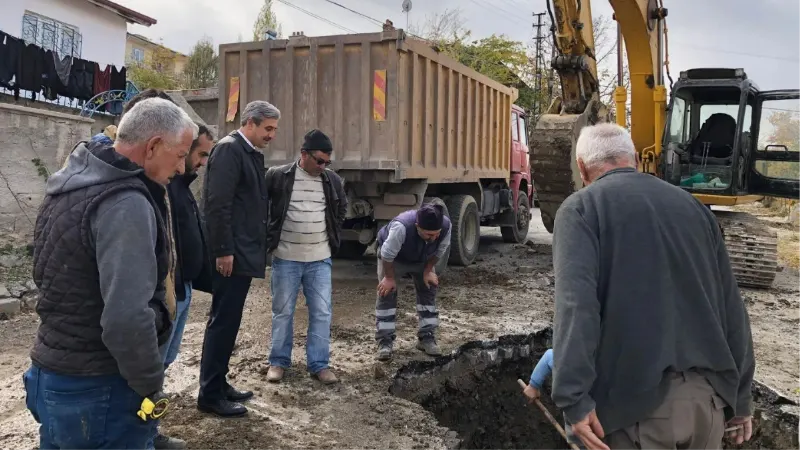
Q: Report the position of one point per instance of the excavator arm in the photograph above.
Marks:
(553, 167)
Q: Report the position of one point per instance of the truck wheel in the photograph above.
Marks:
(351, 250)
(465, 233)
(522, 218)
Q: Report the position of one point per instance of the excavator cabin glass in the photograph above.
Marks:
(701, 138)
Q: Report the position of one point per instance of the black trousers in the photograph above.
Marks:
(227, 304)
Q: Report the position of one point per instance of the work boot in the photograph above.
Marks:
(275, 374)
(384, 351)
(326, 376)
(165, 442)
(428, 345)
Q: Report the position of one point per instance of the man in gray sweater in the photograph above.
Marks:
(652, 343)
(103, 262)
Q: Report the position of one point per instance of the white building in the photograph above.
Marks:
(94, 30)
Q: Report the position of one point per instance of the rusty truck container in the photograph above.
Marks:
(388, 102)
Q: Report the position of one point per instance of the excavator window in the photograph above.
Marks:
(779, 135)
(701, 139)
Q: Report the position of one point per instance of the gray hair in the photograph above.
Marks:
(154, 117)
(259, 110)
(604, 143)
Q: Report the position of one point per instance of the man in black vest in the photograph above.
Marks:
(411, 244)
(103, 262)
(236, 211)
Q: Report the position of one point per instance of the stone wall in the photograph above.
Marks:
(100, 120)
(35, 143)
(204, 102)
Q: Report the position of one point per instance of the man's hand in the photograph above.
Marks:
(531, 393)
(225, 265)
(386, 286)
(430, 278)
(743, 431)
(590, 432)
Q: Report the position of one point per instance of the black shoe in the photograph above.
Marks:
(165, 442)
(222, 408)
(237, 396)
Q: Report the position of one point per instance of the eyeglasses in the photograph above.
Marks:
(320, 161)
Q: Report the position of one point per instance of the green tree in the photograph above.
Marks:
(157, 71)
(201, 69)
(267, 20)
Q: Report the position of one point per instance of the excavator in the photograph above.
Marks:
(716, 138)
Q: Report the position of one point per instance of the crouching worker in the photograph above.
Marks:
(533, 391)
(105, 272)
(411, 244)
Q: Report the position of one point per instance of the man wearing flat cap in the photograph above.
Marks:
(306, 212)
(411, 244)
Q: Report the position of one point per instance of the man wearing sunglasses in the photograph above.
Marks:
(306, 211)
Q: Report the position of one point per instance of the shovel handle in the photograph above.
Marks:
(550, 417)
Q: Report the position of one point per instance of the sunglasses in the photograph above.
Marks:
(320, 161)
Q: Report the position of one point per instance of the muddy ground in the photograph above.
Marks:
(508, 291)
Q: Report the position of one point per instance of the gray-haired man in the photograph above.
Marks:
(236, 212)
(104, 267)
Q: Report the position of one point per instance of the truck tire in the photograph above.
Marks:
(465, 233)
(518, 232)
(351, 250)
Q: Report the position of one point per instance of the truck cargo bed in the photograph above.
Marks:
(388, 102)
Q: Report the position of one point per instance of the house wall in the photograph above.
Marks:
(35, 143)
(178, 61)
(103, 32)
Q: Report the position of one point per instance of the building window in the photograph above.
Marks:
(137, 55)
(50, 34)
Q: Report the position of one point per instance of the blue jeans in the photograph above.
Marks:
(86, 412)
(287, 276)
(174, 343)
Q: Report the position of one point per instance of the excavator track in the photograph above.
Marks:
(752, 247)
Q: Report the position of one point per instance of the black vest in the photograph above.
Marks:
(69, 338)
(414, 249)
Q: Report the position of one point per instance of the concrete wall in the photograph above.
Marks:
(35, 143)
(103, 31)
(100, 120)
(205, 103)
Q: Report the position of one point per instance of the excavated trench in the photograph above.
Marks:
(474, 392)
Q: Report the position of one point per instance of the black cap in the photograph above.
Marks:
(430, 217)
(317, 140)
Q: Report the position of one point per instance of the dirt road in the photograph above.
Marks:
(508, 291)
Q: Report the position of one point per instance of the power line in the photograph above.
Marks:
(316, 16)
(355, 12)
(754, 55)
(498, 13)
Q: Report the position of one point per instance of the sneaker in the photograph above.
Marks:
(275, 374)
(165, 442)
(384, 352)
(428, 345)
(326, 376)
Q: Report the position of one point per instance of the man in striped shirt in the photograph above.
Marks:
(307, 208)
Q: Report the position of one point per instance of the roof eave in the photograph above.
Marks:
(128, 14)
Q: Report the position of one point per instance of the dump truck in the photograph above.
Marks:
(409, 125)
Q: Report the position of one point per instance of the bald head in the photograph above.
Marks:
(603, 147)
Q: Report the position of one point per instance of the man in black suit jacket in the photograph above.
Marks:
(235, 207)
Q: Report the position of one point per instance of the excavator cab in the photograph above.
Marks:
(727, 142)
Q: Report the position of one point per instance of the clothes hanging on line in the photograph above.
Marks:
(31, 68)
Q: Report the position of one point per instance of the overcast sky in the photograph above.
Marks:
(762, 36)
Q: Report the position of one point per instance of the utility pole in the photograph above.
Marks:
(538, 64)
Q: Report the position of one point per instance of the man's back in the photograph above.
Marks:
(654, 260)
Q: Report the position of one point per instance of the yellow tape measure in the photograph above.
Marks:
(150, 410)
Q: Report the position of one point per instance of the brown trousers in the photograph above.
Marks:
(691, 417)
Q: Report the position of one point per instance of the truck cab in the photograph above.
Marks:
(728, 142)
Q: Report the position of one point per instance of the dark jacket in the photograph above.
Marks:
(194, 262)
(100, 260)
(412, 249)
(235, 205)
(643, 286)
(280, 183)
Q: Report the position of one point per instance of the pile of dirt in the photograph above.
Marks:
(474, 392)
